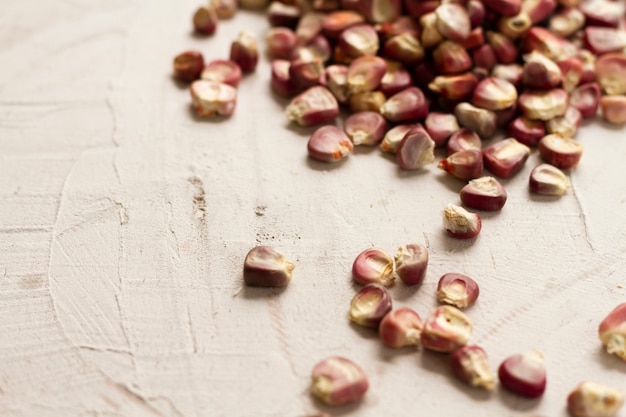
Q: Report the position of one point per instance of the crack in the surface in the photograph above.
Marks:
(583, 216)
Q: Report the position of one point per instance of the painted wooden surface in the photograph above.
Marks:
(124, 221)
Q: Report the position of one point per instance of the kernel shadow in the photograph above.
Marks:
(388, 354)
(181, 85)
(255, 293)
(335, 411)
(402, 173)
(540, 198)
(610, 362)
(364, 149)
(364, 332)
(452, 244)
(206, 119)
(324, 166)
(450, 182)
(516, 402)
(194, 34)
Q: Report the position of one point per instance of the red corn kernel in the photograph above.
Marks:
(484, 193)
(494, 94)
(613, 109)
(222, 71)
(370, 305)
(453, 21)
(359, 40)
(396, 79)
(188, 65)
(612, 331)
(547, 179)
(476, 12)
(505, 50)
(280, 42)
(504, 7)
(205, 20)
(451, 58)
(403, 24)
(463, 139)
(329, 144)
(244, 52)
(589, 399)
(213, 99)
(469, 363)
(337, 81)
(225, 9)
(460, 223)
(526, 131)
(506, 157)
(454, 87)
(418, 8)
(510, 72)
(314, 106)
(446, 329)
(411, 263)
(566, 22)
(514, 26)
(481, 121)
(586, 98)
(544, 105)
(336, 22)
(430, 36)
(538, 10)
(305, 74)
(440, 126)
(560, 151)
(601, 40)
(265, 267)
(281, 14)
(315, 48)
(373, 266)
(367, 101)
(602, 12)
(408, 104)
(540, 72)
(280, 81)
(566, 125)
(381, 11)
(545, 42)
(365, 128)
(524, 374)
(475, 39)
(338, 381)
(415, 150)
(401, 327)
(309, 26)
(465, 164)
(611, 73)
(457, 289)
(506, 116)
(394, 136)
(404, 47)
(365, 73)
(571, 72)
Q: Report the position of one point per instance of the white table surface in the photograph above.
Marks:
(124, 222)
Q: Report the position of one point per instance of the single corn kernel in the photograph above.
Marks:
(373, 266)
(396, 79)
(538, 10)
(511, 72)
(476, 11)
(602, 40)
(315, 48)
(401, 327)
(225, 9)
(283, 15)
(612, 331)
(222, 71)
(572, 72)
(524, 374)
(560, 151)
(309, 26)
(504, 7)
(365, 128)
(602, 12)
(366, 101)
(316, 105)
(244, 52)
(463, 139)
(440, 126)
(280, 80)
(394, 136)
(365, 74)
(453, 21)
(540, 72)
(613, 109)
(417, 9)
(339, 20)
(451, 58)
(541, 40)
(280, 42)
(188, 65)
(494, 94)
(416, 149)
(430, 36)
(516, 26)
(484, 56)
(454, 87)
(446, 329)
(566, 22)
(481, 121)
(475, 39)
(408, 104)
(338, 381)
(544, 105)
(504, 48)
(329, 144)
(307, 73)
(469, 363)
(526, 131)
(379, 11)
(205, 20)
(359, 40)
(337, 82)
(484, 193)
(506, 116)
(265, 267)
(460, 223)
(547, 179)
(465, 165)
(566, 125)
(404, 47)
(589, 399)
(457, 289)
(586, 99)
(411, 263)
(588, 60)
(370, 305)
(213, 99)
(505, 157)
(611, 73)
(403, 24)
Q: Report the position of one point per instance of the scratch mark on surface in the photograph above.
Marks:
(583, 216)
(23, 229)
(174, 246)
(169, 402)
(199, 202)
(105, 349)
(276, 314)
(132, 395)
(192, 333)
